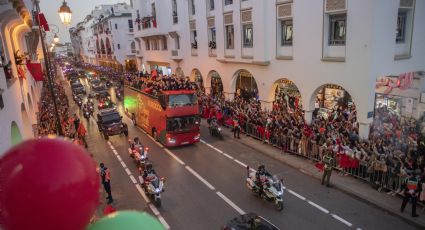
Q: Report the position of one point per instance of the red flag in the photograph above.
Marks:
(319, 166)
(21, 72)
(43, 22)
(36, 71)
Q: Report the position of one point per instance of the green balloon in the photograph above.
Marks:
(127, 220)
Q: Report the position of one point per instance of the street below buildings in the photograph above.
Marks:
(205, 184)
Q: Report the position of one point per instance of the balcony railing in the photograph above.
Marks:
(133, 51)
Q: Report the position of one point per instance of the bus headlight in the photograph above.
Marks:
(171, 140)
(197, 137)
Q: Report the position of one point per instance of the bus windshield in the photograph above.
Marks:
(182, 100)
(183, 124)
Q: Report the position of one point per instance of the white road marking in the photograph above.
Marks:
(141, 192)
(200, 178)
(243, 165)
(228, 201)
(163, 222)
(202, 141)
(154, 209)
(115, 152)
(133, 179)
(218, 150)
(318, 206)
(296, 194)
(342, 220)
(127, 171)
(228, 156)
(174, 156)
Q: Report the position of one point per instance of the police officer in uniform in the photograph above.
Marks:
(328, 160)
(412, 189)
(106, 181)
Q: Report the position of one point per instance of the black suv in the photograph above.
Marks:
(109, 123)
(78, 88)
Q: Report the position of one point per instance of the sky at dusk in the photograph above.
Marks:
(79, 8)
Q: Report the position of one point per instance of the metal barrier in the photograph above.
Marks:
(377, 173)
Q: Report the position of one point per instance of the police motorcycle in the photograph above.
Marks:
(78, 100)
(152, 184)
(139, 153)
(214, 128)
(266, 186)
(118, 93)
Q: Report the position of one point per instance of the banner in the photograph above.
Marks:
(43, 22)
(36, 71)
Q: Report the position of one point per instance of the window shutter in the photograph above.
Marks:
(192, 25)
(228, 19)
(246, 16)
(211, 22)
(335, 5)
(284, 10)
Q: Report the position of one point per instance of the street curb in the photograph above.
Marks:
(339, 188)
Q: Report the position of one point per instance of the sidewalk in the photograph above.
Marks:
(347, 184)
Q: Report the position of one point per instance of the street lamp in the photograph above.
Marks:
(56, 38)
(65, 13)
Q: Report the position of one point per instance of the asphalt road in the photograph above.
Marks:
(205, 188)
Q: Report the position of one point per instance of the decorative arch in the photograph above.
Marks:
(214, 83)
(15, 134)
(97, 46)
(331, 96)
(244, 84)
(179, 72)
(30, 102)
(285, 93)
(108, 46)
(102, 46)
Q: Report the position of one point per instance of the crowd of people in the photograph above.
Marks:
(390, 154)
(70, 125)
(154, 83)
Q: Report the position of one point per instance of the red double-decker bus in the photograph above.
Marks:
(171, 117)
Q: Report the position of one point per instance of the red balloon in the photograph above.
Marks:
(47, 184)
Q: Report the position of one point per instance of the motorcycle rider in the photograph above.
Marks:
(261, 173)
(148, 173)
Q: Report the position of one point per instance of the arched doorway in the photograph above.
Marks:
(245, 85)
(286, 95)
(108, 47)
(15, 134)
(30, 102)
(196, 78)
(179, 72)
(332, 101)
(216, 85)
(97, 46)
(102, 46)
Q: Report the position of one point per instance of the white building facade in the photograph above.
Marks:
(106, 36)
(19, 93)
(315, 45)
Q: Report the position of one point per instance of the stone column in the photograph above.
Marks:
(308, 116)
(364, 129)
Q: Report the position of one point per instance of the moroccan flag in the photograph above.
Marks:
(36, 71)
(43, 22)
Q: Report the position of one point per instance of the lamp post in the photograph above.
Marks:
(67, 16)
(65, 13)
